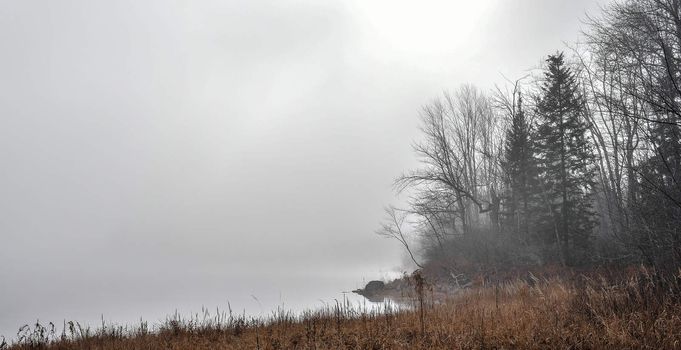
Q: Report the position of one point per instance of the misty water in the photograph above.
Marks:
(156, 296)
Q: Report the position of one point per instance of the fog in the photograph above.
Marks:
(164, 155)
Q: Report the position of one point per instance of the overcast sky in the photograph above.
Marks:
(157, 155)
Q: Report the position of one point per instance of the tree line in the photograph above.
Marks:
(577, 165)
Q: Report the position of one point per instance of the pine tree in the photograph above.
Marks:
(521, 174)
(566, 164)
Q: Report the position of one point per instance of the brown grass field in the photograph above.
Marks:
(637, 309)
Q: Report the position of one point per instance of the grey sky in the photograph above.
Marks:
(171, 154)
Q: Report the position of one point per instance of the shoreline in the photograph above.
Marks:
(637, 308)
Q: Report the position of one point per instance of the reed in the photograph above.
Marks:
(636, 308)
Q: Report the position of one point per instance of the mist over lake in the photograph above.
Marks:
(155, 295)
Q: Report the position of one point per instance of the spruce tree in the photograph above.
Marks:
(566, 164)
(520, 175)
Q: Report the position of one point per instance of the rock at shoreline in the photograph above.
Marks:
(372, 291)
(403, 290)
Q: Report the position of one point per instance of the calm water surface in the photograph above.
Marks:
(133, 295)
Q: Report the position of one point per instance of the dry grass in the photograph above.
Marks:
(639, 309)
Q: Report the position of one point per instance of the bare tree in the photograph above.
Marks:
(392, 228)
(632, 67)
(458, 157)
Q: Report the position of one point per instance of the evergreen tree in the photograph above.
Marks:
(521, 175)
(566, 164)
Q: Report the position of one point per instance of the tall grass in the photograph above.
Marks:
(639, 308)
